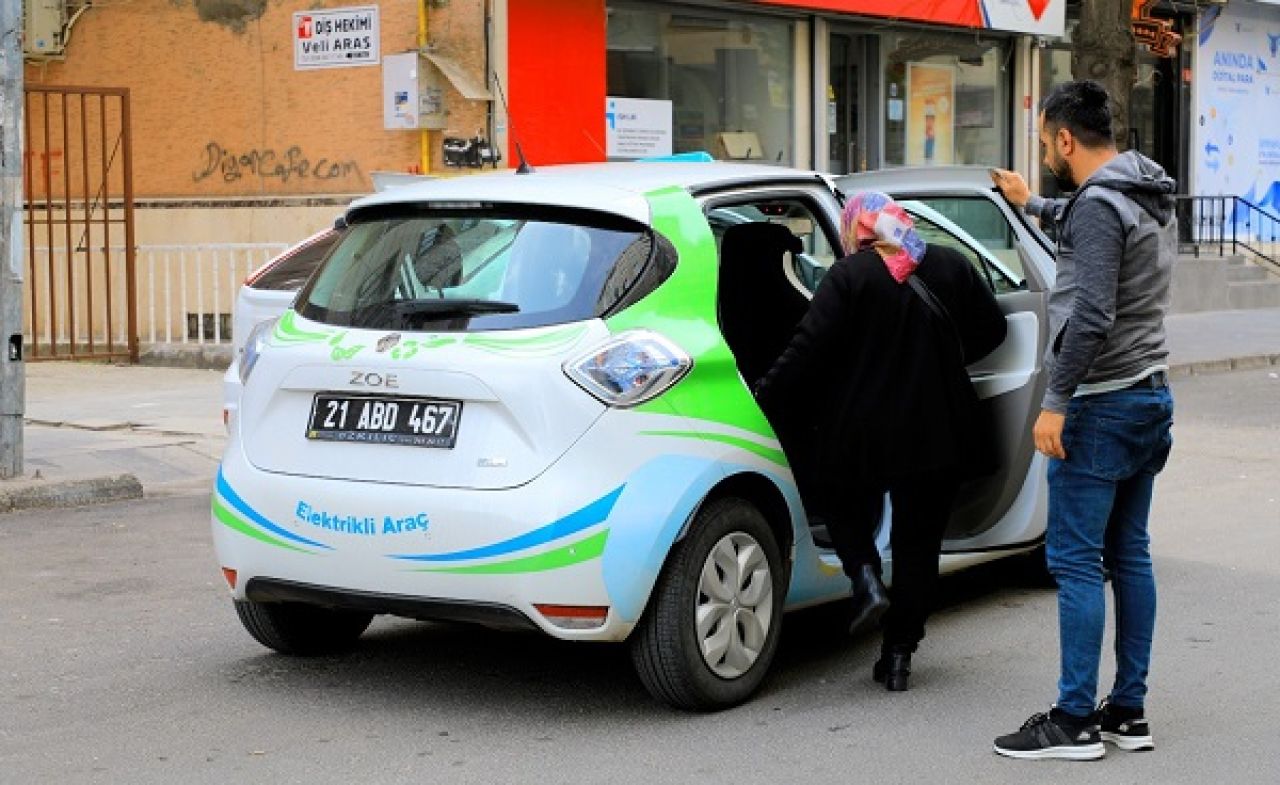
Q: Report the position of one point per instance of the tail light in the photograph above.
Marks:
(630, 368)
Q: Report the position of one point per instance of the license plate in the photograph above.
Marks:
(416, 422)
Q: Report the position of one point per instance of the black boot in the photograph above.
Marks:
(870, 600)
(893, 669)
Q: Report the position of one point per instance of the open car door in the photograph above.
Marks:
(957, 207)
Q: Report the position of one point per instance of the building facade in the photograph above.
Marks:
(837, 85)
(226, 106)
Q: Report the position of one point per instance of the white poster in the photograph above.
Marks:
(1237, 122)
(336, 38)
(637, 127)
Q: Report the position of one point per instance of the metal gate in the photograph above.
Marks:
(80, 293)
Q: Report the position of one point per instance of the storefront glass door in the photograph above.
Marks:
(846, 104)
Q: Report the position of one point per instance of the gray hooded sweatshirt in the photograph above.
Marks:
(1117, 243)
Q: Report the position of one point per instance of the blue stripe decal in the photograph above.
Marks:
(661, 494)
(594, 513)
(224, 490)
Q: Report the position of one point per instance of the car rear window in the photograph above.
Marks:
(291, 269)
(495, 268)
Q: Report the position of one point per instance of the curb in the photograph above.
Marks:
(30, 494)
(209, 356)
(1246, 363)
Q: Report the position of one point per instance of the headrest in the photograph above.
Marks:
(760, 237)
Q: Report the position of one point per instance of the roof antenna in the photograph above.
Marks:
(524, 167)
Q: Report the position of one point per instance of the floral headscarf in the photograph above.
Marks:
(872, 219)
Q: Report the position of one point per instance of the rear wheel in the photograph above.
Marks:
(712, 626)
(297, 628)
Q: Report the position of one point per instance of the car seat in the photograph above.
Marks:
(759, 306)
(759, 310)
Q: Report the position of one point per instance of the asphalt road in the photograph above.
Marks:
(121, 661)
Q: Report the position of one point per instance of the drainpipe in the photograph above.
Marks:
(424, 134)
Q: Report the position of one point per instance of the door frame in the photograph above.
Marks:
(869, 88)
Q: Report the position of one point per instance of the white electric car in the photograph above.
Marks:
(522, 400)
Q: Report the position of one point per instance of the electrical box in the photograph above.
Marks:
(413, 95)
(413, 89)
(43, 23)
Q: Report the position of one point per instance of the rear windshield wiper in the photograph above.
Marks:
(455, 307)
(394, 313)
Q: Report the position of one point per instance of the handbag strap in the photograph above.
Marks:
(940, 311)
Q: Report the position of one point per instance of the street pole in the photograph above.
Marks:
(12, 373)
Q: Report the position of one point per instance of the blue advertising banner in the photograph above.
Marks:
(1237, 133)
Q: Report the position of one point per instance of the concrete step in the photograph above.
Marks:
(1199, 284)
(1254, 294)
(1246, 272)
(1209, 282)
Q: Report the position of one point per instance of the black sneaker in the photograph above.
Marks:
(1054, 735)
(1126, 728)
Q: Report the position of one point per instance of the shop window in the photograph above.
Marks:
(946, 100)
(1055, 69)
(729, 77)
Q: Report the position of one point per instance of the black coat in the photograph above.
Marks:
(870, 386)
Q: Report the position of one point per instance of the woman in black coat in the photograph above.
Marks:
(897, 411)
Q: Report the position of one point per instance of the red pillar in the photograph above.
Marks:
(556, 76)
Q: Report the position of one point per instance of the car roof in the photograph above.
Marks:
(917, 177)
(615, 187)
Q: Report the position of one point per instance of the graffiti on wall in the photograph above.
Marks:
(230, 166)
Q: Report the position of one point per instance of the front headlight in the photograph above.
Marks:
(253, 346)
(630, 368)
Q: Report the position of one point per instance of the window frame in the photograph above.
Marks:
(810, 197)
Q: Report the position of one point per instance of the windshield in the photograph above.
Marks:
(490, 269)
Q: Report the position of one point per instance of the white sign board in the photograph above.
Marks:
(1037, 17)
(336, 38)
(637, 127)
(1237, 89)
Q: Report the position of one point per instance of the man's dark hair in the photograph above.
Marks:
(1083, 108)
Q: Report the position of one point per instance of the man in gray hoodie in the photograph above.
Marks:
(1106, 417)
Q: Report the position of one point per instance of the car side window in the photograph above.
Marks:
(817, 252)
(982, 220)
(998, 279)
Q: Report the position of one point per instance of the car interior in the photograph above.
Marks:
(760, 308)
(773, 254)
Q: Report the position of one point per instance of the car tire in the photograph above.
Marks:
(742, 615)
(300, 629)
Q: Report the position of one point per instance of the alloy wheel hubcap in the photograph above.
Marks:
(735, 605)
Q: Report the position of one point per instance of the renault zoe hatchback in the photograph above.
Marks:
(523, 400)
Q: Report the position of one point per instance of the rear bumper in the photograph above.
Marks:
(425, 608)
(594, 529)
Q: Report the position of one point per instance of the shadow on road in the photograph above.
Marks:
(402, 665)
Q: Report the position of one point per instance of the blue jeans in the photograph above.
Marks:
(1099, 501)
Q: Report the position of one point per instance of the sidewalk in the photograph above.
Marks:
(107, 432)
(102, 433)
